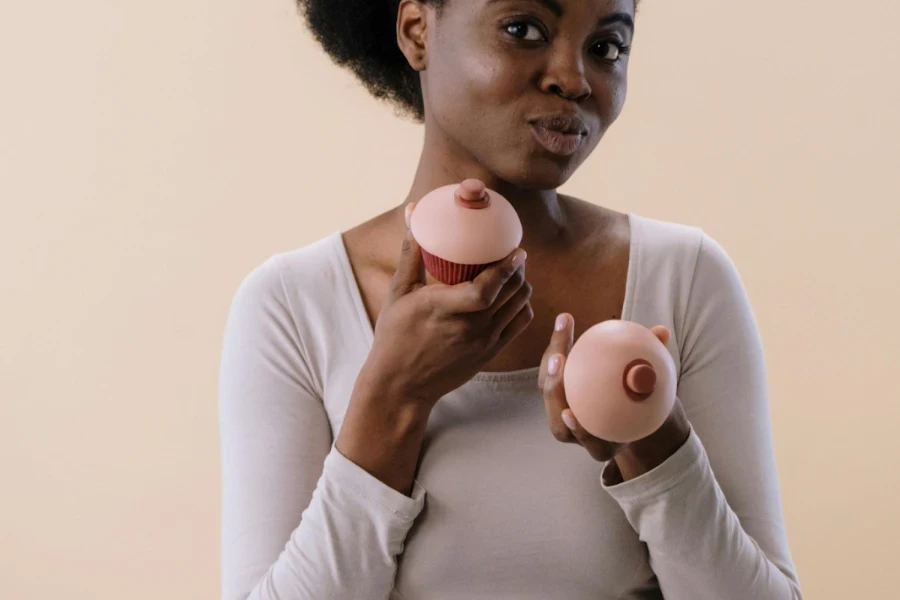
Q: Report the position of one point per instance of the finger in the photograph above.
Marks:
(561, 341)
(600, 450)
(512, 307)
(555, 398)
(662, 333)
(510, 289)
(410, 272)
(515, 328)
(480, 294)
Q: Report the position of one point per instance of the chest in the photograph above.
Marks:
(510, 512)
(591, 286)
(591, 290)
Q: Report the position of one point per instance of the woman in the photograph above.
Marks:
(384, 436)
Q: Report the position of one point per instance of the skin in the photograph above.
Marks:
(488, 69)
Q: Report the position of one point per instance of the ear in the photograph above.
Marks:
(411, 28)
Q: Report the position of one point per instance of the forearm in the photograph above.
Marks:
(345, 545)
(647, 454)
(300, 521)
(698, 546)
(383, 432)
(710, 514)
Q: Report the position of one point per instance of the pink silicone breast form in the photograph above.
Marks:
(482, 233)
(620, 381)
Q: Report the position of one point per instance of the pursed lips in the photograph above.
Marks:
(560, 134)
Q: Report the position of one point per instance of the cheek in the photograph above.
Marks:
(619, 93)
(472, 83)
(609, 95)
(611, 91)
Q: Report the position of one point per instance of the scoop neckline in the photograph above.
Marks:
(529, 374)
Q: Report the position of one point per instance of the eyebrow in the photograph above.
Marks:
(619, 17)
(556, 8)
(552, 5)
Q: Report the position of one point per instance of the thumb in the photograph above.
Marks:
(662, 333)
(410, 272)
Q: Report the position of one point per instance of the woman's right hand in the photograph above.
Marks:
(431, 339)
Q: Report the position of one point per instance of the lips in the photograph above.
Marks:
(560, 134)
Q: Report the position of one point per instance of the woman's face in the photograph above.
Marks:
(526, 88)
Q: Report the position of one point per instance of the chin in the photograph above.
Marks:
(533, 167)
(538, 173)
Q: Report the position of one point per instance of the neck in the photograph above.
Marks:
(543, 217)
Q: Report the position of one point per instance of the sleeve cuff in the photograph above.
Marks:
(686, 462)
(372, 490)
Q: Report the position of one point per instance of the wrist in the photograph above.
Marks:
(647, 454)
(390, 385)
(383, 411)
(383, 434)
(387, 411)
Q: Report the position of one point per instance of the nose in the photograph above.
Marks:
(565, 77)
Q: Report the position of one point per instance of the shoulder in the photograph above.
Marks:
(286, 307)
(666, 238)
(303, 269)
(686, 250)
(314, 270)
(684, 276)
(291, 289)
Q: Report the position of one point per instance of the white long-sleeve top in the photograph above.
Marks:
(500, 509)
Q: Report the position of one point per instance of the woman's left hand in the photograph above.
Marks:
(628, 460)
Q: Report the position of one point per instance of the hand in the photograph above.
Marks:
(629, 460)
(431, 339)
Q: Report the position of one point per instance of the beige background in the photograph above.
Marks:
(152, 153)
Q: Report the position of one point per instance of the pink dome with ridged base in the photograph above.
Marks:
(620, 381)
(464, 228)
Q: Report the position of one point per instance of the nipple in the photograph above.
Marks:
(640, 379)
(471, 193)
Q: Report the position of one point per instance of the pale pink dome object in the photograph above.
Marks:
(466, 224)
(620, 381)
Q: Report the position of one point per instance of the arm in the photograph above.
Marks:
(299, 520)
(711, 513)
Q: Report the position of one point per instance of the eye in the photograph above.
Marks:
(610, 51)
(525, 31)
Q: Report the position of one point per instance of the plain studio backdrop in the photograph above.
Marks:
(153, 153)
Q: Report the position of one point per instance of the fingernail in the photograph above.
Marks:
(408, 213)
(553, 367)
(569, 420)
(519, 258)
(561, 322)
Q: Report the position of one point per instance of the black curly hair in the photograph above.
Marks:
(361, 35)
